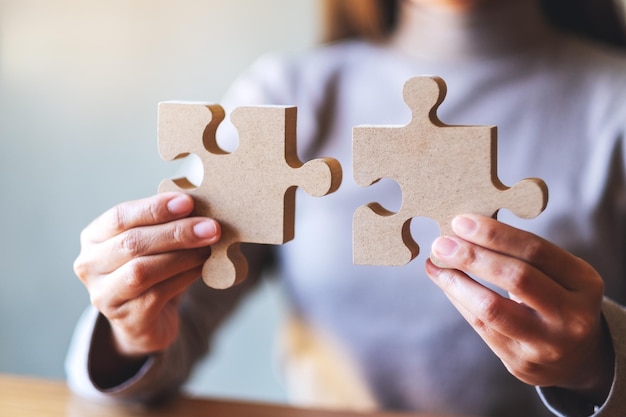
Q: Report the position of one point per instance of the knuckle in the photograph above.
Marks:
(117, 218)
(131, 243)
(154, 212)
(81, 268)
(534, 249)
(580, 327)
(151, 302)
(470, 257)
(490, 235)
(520, 276)
(135, 274)
(178, 233)
(488, 309)
(473, 257)
(551, 355)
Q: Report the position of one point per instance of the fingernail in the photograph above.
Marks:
(444, 247)
(463, 226)
(205, 229)
(179, 205)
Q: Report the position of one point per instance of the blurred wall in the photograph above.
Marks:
(79, 84)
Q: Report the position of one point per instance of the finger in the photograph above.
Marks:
(527, 358)
(500, 344)
(516, 334)
(173, 289)
(157, 209)
(523, 281)
(111, 291)
(106, 257)
(556, 263)
(149, 323)
(488, 312)
(180, 234)
(152, 301)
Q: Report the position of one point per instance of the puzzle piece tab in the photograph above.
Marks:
(250, 191)
(442, 171)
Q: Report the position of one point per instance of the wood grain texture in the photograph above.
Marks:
(32, 397)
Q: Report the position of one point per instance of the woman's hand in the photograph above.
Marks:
(550, 331)
(136, 260)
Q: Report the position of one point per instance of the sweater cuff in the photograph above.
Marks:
(82, 351)
(564, 403)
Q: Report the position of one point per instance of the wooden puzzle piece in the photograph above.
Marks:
(442, 171)
(250, 191)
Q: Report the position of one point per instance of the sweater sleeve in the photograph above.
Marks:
(564, 404)
(202, 310)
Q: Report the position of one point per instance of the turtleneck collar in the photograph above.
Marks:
(491, 31)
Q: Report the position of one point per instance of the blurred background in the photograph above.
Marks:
(79, 85)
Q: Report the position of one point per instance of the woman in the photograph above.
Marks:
(561, 113)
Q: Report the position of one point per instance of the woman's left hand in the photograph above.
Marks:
(549, 331)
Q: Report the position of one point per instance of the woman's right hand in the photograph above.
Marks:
(136, 260)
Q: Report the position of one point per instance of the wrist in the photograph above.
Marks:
(600, 369)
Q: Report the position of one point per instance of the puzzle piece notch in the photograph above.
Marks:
(442, 171)
(250, 191)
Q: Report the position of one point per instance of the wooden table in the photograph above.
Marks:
(30, 397)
